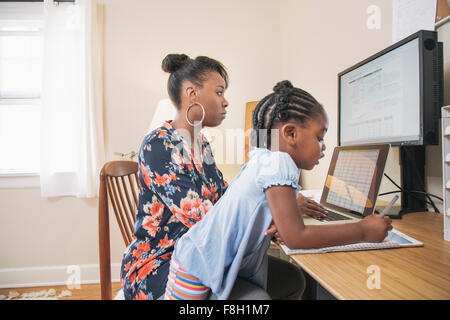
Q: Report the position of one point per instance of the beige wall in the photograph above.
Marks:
(259, 41)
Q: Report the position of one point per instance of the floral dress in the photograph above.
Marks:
(176, 189)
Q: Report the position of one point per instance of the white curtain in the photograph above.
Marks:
(72, 149)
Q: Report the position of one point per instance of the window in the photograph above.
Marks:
(21, 60)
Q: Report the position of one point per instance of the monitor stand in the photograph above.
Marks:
(412, 166)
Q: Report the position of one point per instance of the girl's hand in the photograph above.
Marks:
(273, 231)
(310, 207)
(375, 228)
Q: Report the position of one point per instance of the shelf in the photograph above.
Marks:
(445, 129)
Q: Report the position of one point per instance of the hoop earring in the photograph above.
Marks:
(189, 108)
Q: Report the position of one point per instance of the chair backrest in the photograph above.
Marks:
(118, 183)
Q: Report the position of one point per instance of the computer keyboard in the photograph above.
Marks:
(332, 216)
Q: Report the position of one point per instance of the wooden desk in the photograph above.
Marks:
(406, 273)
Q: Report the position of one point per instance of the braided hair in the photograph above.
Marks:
(285, 103)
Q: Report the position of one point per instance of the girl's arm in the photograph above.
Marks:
(286, 214)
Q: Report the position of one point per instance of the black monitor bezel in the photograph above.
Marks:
(427, 125)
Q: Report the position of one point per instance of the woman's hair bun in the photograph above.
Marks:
(283, 87)
(173, 61)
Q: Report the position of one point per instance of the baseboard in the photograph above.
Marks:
(71, 275)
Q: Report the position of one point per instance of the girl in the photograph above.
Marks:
(230, 241)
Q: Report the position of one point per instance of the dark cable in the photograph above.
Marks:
(401, 191)
(392, 181)
(428, 195)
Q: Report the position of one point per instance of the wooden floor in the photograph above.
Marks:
(86, 291)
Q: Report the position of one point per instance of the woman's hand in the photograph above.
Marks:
(273, 231)
(310, 207)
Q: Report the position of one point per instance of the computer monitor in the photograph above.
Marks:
(354, 178)
(394, 96)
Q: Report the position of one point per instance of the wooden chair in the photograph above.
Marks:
(118, 183)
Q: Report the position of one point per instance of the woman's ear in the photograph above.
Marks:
(190, 91)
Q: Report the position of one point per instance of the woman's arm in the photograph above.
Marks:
(287, 217)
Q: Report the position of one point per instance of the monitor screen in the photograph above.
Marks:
(380, 99)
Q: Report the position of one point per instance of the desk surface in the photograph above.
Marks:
(405, 273)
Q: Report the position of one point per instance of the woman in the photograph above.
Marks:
(179, 182)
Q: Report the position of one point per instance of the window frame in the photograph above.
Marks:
(12, 179)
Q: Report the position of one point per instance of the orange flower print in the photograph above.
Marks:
(205, 192)
(149, 224)
(166, 255)
(165, 242)
(157, 208)
(191, 209)
(132, 277)
(154, 208)
(133, 267)
(197, 202)
(162, 180)
(146, 269)
(140, 296)
(207, 205)
(180, 215)
(173, 176)
(186, 205)
(145, 176)
(140, 249)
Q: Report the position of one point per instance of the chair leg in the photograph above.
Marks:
(104, 241)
